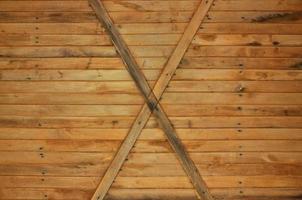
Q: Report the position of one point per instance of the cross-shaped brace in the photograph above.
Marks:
(152, 97)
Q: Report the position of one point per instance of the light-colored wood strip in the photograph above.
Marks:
(152, 39)
(250, 28)
(130, 88)
(140, 194)
(71, 98)
(148, 170)
(243, 51)
(151, 134)
(77, 63)
(241, 63)
(220, 74)
(151, 28)
(56, 158)
(218, 193)
(208, 158)
(110, 5)
(229, 98)
(258, 5)
(151, 182)
(132, 110)
(212, 181)
(269, 5)
(151, 75)
(207, 98)
(83, 17)
(85, 40)
(150, 51)
(235, 86)
(126, 122)
(153, 146)
(89, 75)
(248, 40)
(90, 28)
(255, 16)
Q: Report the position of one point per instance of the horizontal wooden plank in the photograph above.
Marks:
(152, 17)
(60, 158)
(148, 63)
(242, 110)
(41, 193)
(129, 86)
(168, 98)
(217, 158)
(151, 182)
(110, 5)
(90, 28)
(152, 134)
(72, 98)
(233, 86)
(151, 28)
(215, 74)
(241, 63)
(60, 145)
(247, 39)
(149, 51)
(150, 5)
(76, 17)
(152, 145)
(229, 193)
(123, 75)
(95, 40)
(151, 39)
(141, 194)
(125, 122)
(257, 5)
(250, 28)
(76, 63)
(44, 52)
(89, 75)
(69, 87)
(243, 51)
(221, 146)
(232, 98)
(46, 17)
(132, 110)
(148, 170)
(212, 181)
(43, 5)
(256, 16)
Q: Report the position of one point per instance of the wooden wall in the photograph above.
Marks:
(67, 102)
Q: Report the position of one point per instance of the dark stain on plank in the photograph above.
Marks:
(277, 17)
(297, 65)
(131, 5)
(254, 43)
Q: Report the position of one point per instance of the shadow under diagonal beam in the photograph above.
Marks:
(151, 99)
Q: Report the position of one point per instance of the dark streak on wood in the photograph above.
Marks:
(294, 16)
(297, 65)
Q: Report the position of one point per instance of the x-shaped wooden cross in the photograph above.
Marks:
(152, 97)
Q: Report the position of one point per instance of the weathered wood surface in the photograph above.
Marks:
(238, 85)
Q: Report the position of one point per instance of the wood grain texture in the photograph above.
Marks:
(67, 102)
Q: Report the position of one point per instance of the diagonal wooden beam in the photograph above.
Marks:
(151, 98)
